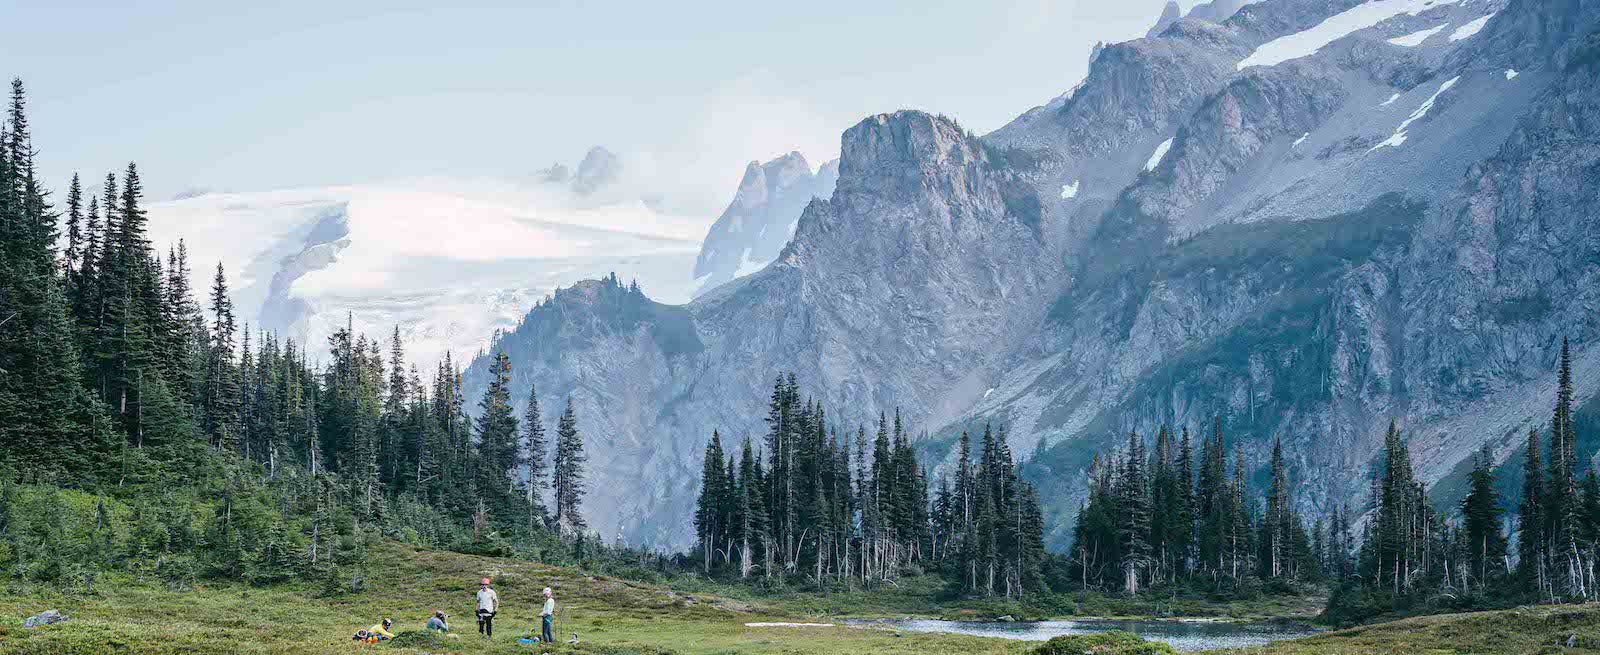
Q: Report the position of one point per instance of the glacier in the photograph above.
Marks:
(447, 263)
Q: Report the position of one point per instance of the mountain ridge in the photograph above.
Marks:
(1175, 240)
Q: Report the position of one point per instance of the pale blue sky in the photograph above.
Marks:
(282, 94)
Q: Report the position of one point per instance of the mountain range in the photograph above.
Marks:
(1301, 219)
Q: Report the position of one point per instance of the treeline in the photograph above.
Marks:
(813, 503)
(1412, 558)
(1151, 518)
(219, 451)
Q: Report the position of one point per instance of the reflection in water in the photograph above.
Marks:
(1182, 635)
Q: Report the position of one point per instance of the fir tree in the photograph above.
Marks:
(1134, 528)
(497, 439)
(1530, 520)
(1485, 547)
(708, 507)
(535, 457)
(568, 482)
(221, 409)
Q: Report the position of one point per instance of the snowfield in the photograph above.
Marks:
(1338, 26)
(1468, 30)
(447, 266)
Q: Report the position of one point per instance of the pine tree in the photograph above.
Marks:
(752, 517)
(1279, 521)
(1213, 502)
(497, 440)
(1480, 511)
(49, 426)
(708, 506)
(1561, 502)
(1134, 528)
(398, 444)
(1184, 530)
(221, 410)
(1530, 519)
(72, 256)
(1238, 530)
(535, 457)
(568, 482)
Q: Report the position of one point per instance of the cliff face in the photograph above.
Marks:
(1394, 223)
(890, 292)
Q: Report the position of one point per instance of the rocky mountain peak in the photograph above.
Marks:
(786, 169)
(898, 153)
(1169, 15)
(598, 168)
(752, 187)
(761, 217)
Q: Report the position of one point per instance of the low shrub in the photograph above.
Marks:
(1113, 642)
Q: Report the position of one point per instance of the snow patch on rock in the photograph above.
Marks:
(1338, 26)
(1158, 155)
(1399, 136)
(1415, 39)
(1390, 101)
(1467, 30)
(1069, 191)
(1511, 73)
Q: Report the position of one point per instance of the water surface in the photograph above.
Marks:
(1182, 635)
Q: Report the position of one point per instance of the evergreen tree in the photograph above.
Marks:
(50, 428)
(568, 482)
(708, 507)
(1485, 547)
(535, 457)
(221, 409)
(497, 441)
(1134, 528)
(1279, 521)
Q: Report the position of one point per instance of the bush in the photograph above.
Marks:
(422, 639)
(1113, 642)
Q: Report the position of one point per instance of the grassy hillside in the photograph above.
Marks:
(609, 615)
(125, 615)
(1523, 631)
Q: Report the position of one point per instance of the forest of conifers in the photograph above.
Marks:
(799, 506)
(144, 433)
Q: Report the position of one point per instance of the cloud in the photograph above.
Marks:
(751, 117)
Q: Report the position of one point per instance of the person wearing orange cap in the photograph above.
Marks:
(488, 606)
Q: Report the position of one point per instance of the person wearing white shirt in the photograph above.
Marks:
(547, 615)
(488, 606)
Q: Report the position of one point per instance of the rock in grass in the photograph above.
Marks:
(1113, 642)
(46, 617)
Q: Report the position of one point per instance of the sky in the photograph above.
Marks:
(258, 96)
